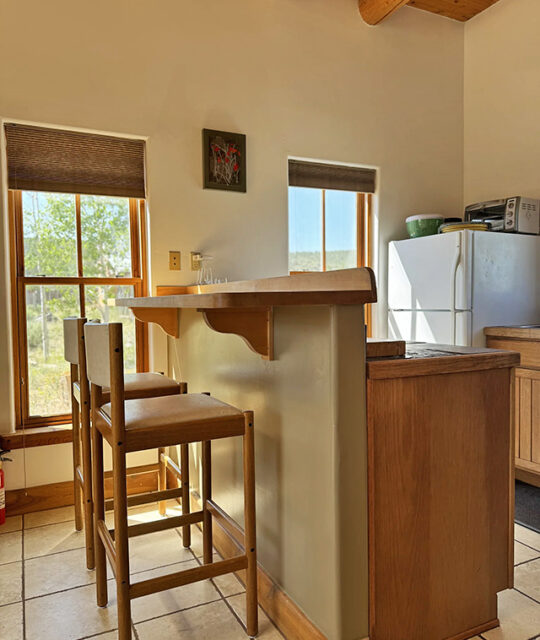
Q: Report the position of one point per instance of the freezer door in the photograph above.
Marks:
(441, 327)
(431, 273)
(506, 281)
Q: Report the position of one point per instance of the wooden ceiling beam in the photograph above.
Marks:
(373, 11)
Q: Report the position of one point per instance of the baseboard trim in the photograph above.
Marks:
(60, 494)
(282, 611)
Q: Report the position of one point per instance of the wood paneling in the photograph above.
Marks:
(461, 10)
(443, 486)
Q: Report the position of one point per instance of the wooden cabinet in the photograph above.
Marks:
(440, 491)
(525, 340)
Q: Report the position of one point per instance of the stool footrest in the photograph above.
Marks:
(144, 498)
(164, 523)
(181, 578)
(108, 543)
(171, 465)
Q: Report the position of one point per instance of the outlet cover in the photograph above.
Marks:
(174, 260)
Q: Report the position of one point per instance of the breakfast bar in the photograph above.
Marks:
(363, 529)
(292, 349)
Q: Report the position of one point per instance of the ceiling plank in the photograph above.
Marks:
(373, 11)
(461, 10)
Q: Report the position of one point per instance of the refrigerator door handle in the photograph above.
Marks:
(455, 265)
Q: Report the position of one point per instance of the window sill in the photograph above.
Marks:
(37, 437)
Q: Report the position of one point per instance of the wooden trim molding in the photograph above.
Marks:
(142, 479)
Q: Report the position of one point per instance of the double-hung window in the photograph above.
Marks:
(75, 247)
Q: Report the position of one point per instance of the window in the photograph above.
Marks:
(330, 217)
(328, 229)
(72, 255)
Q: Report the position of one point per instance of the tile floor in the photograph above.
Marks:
(47, 594)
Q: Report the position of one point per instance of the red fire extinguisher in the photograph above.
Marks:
(2, 488)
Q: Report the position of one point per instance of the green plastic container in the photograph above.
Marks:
(426, 224)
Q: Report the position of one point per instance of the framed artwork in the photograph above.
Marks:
(224, 160)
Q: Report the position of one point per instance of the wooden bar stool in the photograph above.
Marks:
(138, 385)
(136, 425)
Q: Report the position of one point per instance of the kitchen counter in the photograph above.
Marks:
(440, 436)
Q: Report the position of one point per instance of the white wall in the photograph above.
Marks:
(308, 79)
(502, 102)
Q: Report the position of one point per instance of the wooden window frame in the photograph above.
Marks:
(364, 250)
(19, 282)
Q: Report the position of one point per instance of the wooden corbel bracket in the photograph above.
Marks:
(166, 318)
(255, 326)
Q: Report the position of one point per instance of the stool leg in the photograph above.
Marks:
(99, 514)
(186, 506)
(162, 480)
(121, 541)
(206, 495)
(76, 451)
(87, 486)
(252, 625)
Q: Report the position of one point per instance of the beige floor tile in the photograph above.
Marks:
(51, 516)
(11, 583)
(52, 538)
(209, 622)
(267, 631)
(12, 523)
(519, 617)
(10, 547)
(159, 604)
(156, 550)
(522, 553)
(69, 615)
(196, 541)
(11, 622)
(527, 579)
(48, 574)
(527, 536)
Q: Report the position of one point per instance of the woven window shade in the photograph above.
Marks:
(331, 176)
(42, 159)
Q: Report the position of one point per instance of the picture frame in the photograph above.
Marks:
(224, 160)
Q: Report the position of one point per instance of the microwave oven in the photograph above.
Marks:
(513, 215)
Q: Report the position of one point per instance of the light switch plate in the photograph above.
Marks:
(174, 261)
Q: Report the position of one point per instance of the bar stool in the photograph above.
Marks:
(138, 385)
(136, 425)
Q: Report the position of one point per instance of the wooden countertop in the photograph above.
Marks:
(524, 332)
(347, 286)
(422, 359)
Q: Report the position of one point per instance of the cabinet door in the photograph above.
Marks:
(528, 415)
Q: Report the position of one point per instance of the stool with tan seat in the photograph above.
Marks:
(136, 425)
(136, 385)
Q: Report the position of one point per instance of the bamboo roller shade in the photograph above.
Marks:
(331, 176)
(43, 159)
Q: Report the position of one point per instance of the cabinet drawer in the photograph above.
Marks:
(529, 349)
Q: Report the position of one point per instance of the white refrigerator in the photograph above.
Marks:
(446, 288)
